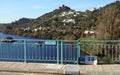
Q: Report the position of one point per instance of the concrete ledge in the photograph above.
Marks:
(106, 69)
(31, 67)
(72, 69)
(20, 67)
(99, 73)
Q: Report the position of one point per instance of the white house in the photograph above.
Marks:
(40, 28)
(36, 29)
(67, 13)
(69, 20)
(89, 32)
(26, 29)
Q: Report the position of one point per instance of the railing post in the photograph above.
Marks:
(57, 52)
(61, 52)
(25, 48)
(78, 51)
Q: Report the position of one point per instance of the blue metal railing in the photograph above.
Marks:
(50, 51)
(107, 51)
(59, 51)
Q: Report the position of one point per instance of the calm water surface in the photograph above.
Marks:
(45, 53)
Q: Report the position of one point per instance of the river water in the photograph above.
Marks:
(50, 53)
(2, 36)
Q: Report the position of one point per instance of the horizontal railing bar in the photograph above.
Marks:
(99, 40)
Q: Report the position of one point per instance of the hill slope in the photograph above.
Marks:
(65, 23)
(108, 23)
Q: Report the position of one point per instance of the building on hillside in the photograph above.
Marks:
(75, 13)
(27, 29)
(40, 28)
(93, 9)
(69, 21)
(89, 32)
(64, 7)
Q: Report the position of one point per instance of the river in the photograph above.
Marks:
(57, 52)
(2, 36)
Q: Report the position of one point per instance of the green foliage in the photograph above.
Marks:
(105, 21)
(108, 22)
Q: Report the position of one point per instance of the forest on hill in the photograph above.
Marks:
(67, 24)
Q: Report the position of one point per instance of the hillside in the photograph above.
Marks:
(66, 23)
(108, 23)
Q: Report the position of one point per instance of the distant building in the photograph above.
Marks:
(27, 29)
(70, 12)
(59, 7)
(69, 21)
(93, 9)
(40, 28)
(89, 32)
(35, 29)
(63, 13)
(64, 7)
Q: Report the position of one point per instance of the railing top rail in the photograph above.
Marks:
(100, 40)
(44, 40)
(67, 40)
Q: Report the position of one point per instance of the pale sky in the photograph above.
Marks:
(11, 10)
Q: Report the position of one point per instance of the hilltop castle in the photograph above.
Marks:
(63, 7)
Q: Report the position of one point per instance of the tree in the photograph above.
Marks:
(18, 31)
(70, 37)
(108, 22)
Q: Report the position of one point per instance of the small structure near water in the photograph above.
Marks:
(38, 43)
(8, 40)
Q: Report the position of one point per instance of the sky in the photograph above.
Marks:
(11, 10)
